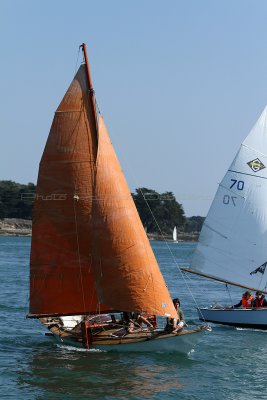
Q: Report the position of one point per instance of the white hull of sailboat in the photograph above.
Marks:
(246, 318)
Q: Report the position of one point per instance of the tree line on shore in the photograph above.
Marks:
(159, 212)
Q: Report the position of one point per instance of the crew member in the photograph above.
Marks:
(259, 301)
(173, 325)
(246, 301)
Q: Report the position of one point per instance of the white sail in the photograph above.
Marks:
(233, 240)
(174, 234)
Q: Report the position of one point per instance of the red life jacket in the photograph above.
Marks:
(259, 302)
(247, 303)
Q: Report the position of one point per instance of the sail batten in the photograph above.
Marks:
(243, 173)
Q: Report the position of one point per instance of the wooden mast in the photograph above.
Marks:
(90, 84)
(67, 250)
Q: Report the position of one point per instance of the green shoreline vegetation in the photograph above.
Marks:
(159, 212)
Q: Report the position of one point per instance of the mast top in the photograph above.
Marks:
(90, 84)
(83, 46)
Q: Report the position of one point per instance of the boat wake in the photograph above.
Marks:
(79, 349)
(251, 329)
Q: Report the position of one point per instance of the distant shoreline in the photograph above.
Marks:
(181, 237)
(15, 227)
(23, 227)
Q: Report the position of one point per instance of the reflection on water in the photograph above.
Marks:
(60, 371)
(227, 364)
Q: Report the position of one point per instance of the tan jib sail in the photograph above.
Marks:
(127, 274)
(89, 250)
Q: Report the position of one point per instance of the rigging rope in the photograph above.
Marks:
(166, 243)
(172, 255)
(229, 293)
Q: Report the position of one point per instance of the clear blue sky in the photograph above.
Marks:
(180, 84)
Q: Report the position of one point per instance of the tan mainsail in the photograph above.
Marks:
(89, 250)
(61, 279)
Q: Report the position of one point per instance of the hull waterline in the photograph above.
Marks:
(176, 343)
(182, 342)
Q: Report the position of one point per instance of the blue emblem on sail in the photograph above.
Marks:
(260, 269)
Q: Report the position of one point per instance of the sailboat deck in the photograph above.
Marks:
(114, 336)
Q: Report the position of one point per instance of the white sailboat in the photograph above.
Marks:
(174, 234)
(232, 246)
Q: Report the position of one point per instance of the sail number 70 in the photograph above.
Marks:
(227, 199)
(238, 184)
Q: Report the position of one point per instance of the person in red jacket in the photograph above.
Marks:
(246, 301)
(259, 301)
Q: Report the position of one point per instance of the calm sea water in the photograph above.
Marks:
(227, 363)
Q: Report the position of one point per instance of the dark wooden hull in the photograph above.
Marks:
(113, 339)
